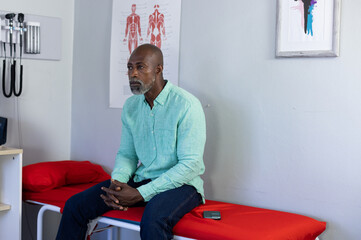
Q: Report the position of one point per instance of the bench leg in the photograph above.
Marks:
(39, 227)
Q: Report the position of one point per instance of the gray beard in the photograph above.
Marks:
(142, 88)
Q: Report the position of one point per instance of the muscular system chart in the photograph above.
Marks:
(135, 23)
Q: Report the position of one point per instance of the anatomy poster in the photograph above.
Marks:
(135, 23)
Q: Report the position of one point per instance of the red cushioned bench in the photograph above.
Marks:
(238, 221)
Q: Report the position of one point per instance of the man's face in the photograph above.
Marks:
(141, 73)
(133, 8)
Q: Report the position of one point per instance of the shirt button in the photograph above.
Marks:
(154, 148)
(151, 114)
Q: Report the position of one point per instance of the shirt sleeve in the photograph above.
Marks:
(126, 160)
(191, 137)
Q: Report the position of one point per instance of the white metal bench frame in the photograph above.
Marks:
(113, 222)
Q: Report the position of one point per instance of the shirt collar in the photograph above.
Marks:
(162, 96)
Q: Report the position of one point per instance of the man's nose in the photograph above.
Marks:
(133, 72)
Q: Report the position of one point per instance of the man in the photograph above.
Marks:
(160, 158)
(133, 28)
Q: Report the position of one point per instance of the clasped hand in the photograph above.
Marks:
(120, 195)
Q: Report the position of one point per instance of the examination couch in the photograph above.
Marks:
(50, 184)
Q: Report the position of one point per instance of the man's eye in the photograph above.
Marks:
(140, 67)
(130, 68)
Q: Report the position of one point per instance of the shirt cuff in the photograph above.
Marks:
(120, 177)
(147, 192)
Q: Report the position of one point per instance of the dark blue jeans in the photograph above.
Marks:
(161, 213)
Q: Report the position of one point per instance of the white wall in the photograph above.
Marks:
(45, 106)
(96, 131)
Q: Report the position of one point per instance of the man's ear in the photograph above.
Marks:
(159, 69)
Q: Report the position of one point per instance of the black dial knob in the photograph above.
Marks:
(10, 16)
(20, 17)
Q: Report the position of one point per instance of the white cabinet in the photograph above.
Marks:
(10, 193)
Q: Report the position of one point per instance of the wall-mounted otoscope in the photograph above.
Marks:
(21, 34)
(21, 25)
(15, 32)
(10, 18)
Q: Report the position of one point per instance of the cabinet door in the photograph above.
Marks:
(10, 195)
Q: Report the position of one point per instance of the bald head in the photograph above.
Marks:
(151, 52)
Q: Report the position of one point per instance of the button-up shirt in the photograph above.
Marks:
(164, 143)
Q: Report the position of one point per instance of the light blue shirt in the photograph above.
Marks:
(164, 144)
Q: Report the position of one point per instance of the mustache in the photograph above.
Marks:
(135, 80)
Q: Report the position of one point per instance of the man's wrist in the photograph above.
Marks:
(139, 196)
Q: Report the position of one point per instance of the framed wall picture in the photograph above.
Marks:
(308, 28)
